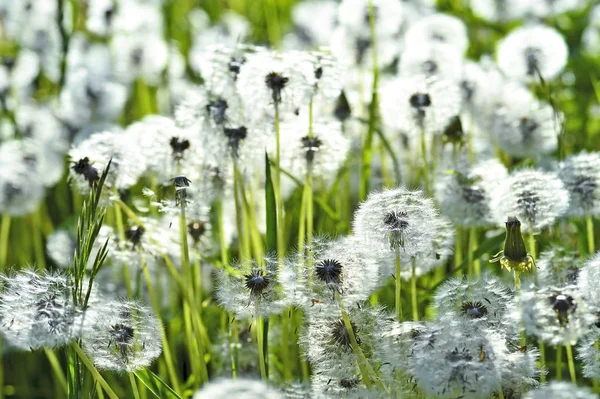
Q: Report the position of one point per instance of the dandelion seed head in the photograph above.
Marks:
(536, 198)
(557, 316)
(37, 310)
(530, 50)
(523, 126)
(60, 247)
(250, 289)
(439, 27)
(322, 153)
(558, 267)
(121, 335)
(560, 389)
(238, 388)
(21, 188)
(415, 103)
(432, 59)
(464, 194)
(581, 175)
(485, 301)
(268, 80)
(466, 363)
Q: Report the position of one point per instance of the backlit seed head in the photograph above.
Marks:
(121, 335)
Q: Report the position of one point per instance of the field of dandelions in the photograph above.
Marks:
(299, 199)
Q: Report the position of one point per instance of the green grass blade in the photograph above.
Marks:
(271, 236)
(155, 385)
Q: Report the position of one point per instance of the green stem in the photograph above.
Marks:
(589, 224)
(166, 347)
(189, 292)
(425, 162)
(559, 362)
(38, 243)
(221, 227)
(285, 349)
(458, 253)
(234, 337)
(134, 387)
(277, 187)
(367, 154)
(4, 237)
(356, 349)
(532, 248)
(97, 377)
(474, 267)
(243, 244)
(413, 288)
(121, 234)
(58, 371)
(571, 363)
(398, 296)
(542, 361)
(260, 326)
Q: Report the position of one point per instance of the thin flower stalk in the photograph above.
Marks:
(367, 154)
(589, 224)
(413, 291)
(165, 343)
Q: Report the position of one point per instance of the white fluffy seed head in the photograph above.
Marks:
(535, 197)
(483, 302)
(37, 310)
(464, 195)
(121, 335)
(559, 316)
(415, 103)
(250, 289)
(524, 126)
(238, 388)
(339, 266)
(530, 50)
(439, 27)
(558, 267)
(581, 175)
(560, 390)
(449, 360)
